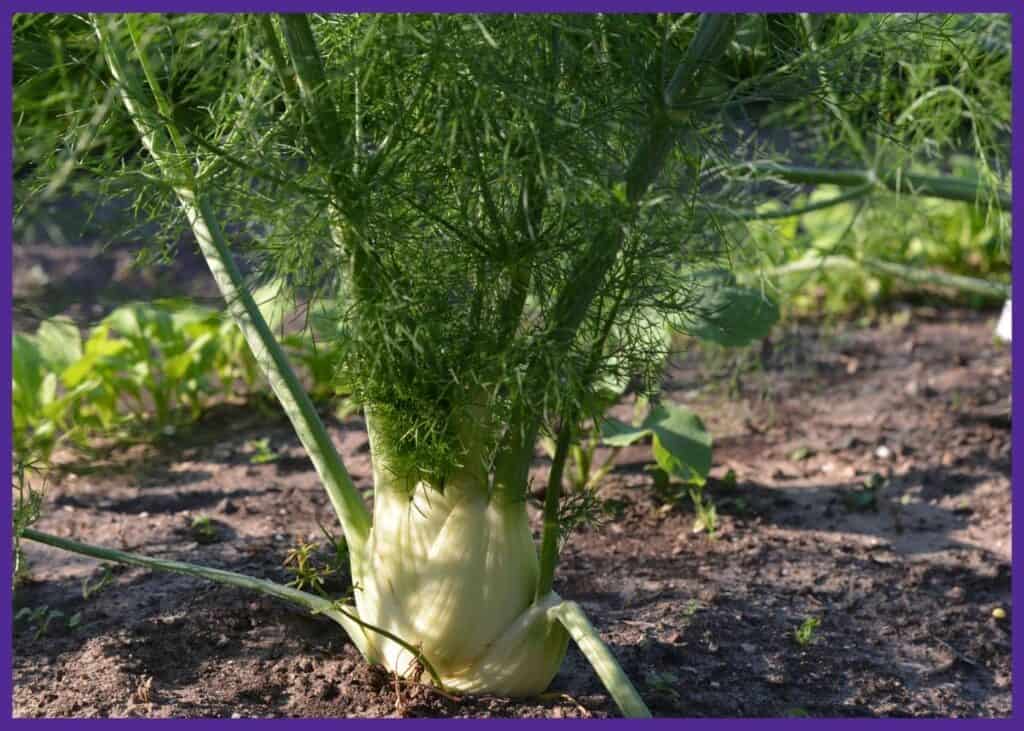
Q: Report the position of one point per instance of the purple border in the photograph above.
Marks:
(536, 6)
(1014, 7)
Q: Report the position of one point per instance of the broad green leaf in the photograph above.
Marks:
(27, 370)
(617, 433)
(729, 314)
(99, 351)
(680, 444)
(60, 343)
(142, 323)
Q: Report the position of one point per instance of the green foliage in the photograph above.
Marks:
(502, 204)
(204, 529)
(91, 588)
(805, 633)
(41, 618)
(308, 574)
(28, 504)
(929, 234)
(864, 497)
(729, 314)
(680, 444)
(142, 372)
(262, 453)
(663, 684)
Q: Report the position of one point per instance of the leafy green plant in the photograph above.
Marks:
(805, 633)
(261, 451)
(204, 530)
(508, 208)
(663, 684)
(143, 371)
(864, 497)
(41, 618)
(847, 256)
(92, 588)
(307, 575)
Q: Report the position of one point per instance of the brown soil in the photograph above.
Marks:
(903, 578)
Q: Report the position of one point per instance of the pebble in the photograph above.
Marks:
(883, 452)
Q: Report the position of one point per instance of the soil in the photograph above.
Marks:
(869, 503)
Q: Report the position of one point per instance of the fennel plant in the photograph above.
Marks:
(499, 213)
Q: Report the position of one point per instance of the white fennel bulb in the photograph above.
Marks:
(453, 574)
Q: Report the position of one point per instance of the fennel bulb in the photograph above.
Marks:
(453, 574)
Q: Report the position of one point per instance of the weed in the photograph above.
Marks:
(28, 503)
(307, 574)
(805, 633)
(690, 610)
(262, 453)
(865, 496)
(204, 530)
(41, 618)
(90, 588)
(663, 684)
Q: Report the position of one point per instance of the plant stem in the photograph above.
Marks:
(346, 500)
(713, 35)
(897, 181)
(311, 602)
(549, 541)
(901, 271)
(850, 195)
(605, 665)
(832, 101)
(277, 54)
(329, 132)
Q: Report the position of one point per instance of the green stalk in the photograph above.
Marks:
(329, 132)
(713, 35)
(916, 275)
(311, 602)
(549, 541)
(270, 36)
(605, 665)
(342, 614)
(897, 181)
(162, 140)
(850, 195)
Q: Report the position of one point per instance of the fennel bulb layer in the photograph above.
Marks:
(453, 574)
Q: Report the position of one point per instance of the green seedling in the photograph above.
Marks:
(663, 684)
(805, 633)
(41, 618)
(91, 588)
(204, 530)
(307, 574)
(262, 453)
(865, 496)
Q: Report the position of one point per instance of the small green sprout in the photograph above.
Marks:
(204, 530)
(663, 684)
(307, 575)
(90, 588)
(262, 453)
(804, 634)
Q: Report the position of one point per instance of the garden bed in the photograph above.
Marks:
(872, 495)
